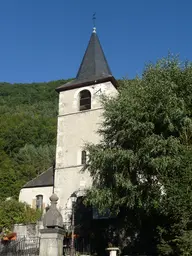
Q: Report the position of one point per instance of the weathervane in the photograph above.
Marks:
(94, 22)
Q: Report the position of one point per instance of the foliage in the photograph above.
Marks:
(141, 170)
(13, 212)
(143, 166)
(28, 115)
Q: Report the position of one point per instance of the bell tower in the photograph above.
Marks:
(80, 116)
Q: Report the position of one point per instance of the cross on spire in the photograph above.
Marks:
(94, 22)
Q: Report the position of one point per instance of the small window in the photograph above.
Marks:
(83, 157)
(85, 100)
(39, 202)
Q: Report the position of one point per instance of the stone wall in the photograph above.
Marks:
(29, 230)
(74, 129)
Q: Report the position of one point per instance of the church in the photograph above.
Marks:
(79, 118)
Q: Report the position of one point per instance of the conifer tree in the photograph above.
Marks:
(142, 169)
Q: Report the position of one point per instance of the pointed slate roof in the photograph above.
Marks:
(45, 179)
(94, 63)
(94, 67)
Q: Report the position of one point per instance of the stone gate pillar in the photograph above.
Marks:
(51, 239)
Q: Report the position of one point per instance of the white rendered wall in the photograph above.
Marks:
(28, 195)
(74, 129)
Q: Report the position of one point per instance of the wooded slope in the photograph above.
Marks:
(28, 118)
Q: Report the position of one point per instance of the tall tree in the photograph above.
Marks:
(142, 169)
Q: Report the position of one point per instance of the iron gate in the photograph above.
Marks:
(82, 246)
(22, 247)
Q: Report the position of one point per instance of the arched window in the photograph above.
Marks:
(85, 100)
(39, 202)
(83, 157)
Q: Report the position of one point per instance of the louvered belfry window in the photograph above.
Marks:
(85, 100)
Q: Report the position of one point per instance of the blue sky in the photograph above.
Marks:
(44, 40)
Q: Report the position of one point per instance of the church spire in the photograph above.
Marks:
(94, 67)
(94, 64)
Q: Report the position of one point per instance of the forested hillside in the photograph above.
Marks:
(28, 118)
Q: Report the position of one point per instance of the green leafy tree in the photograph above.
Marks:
(38, 158)
(9, 180)
(14, 212)
(142, 169)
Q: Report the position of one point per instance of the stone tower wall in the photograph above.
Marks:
(74, 129)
